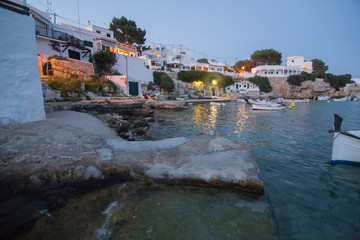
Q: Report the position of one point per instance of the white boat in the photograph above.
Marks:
(240, 100)
(264, 103)
(296, 100)
(322, 98)
(217, 104)
(346, 144)
(340, 99)
(267, 107)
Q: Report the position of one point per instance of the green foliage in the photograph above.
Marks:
(157, 77)
(227, 81)
(71, 84)
(248, 64)
(266, 56)
(103, 61)
(203, 60)
(167, 83)
(205, 77)
(338, 81)
(126, 31)
(319, 68)
(191, 76)
(297, 80)
(151, 86)
(262, 82)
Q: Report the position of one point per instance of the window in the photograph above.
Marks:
(74, 54)
(98, 31)
(108, 35)
(292, 60)
(88, 43)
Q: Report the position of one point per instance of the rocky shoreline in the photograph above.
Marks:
(45, 162)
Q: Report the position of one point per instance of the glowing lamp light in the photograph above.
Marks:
(197, 83)
(214, 82)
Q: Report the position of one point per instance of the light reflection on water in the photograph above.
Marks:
(309, 198)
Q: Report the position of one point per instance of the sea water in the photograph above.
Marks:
(306, 197)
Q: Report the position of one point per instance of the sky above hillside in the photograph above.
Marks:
(232, 30)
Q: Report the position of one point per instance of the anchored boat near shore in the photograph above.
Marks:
(346, 144)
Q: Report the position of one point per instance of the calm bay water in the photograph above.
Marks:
(305, 196)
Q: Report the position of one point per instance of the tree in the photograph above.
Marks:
(203, 60)
(266, 56)
(319, 68)
(262, 82)
(167, 83)
(227, 81)
(157, 77)
(338, 81)
(247, 64)
(151, 86)
(103, 61)
(126, 31)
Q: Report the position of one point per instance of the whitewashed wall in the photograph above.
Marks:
(21, 97)
(137, 69)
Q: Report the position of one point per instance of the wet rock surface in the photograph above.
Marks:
(48, 160)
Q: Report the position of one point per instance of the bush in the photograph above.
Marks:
(71, 84)
(262, 82)
(297, 80)
(157, 77)
(151, 86)
(167, 83)
(337, 81)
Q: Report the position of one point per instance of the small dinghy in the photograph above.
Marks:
(346, 144)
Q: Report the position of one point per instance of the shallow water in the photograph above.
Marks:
(305, 196)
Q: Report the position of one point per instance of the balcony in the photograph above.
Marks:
(71, 40)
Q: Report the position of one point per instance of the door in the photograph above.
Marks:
(133, 88)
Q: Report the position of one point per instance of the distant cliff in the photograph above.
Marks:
(308, 89)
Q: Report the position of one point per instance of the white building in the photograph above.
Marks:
(242, 87)
(298, 61)
(294, 66)
(275, 71)
(21, 97)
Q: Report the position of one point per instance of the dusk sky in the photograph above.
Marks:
(232, 29)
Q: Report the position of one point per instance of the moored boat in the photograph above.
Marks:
(346, 144)
(340, 99)
(267, 107)
(322, 98)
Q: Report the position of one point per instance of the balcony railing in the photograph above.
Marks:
(15, 7)
(46, 32)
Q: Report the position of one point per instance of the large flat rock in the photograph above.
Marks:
(73, 149)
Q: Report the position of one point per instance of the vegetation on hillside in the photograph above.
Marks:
(163, 80)
(78, 85)
(337, 81)
(205, 77)
(262, 82)
(297, 80)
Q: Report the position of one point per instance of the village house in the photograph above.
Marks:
(242, 87)
(294, 66)
(65, 49)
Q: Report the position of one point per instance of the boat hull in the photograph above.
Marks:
(264, 107)
(346, 149)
